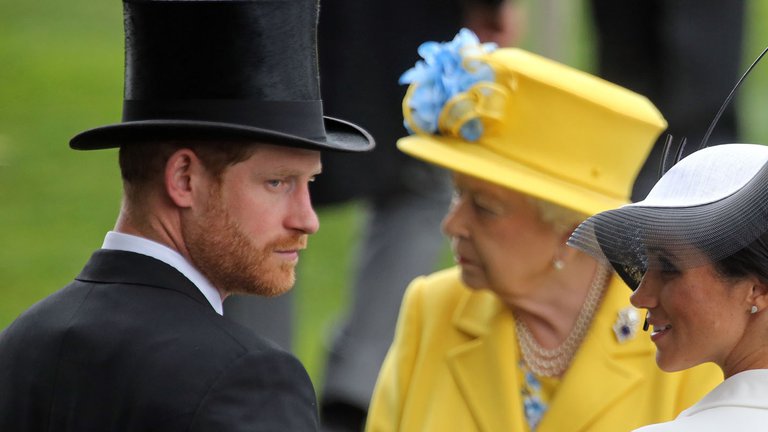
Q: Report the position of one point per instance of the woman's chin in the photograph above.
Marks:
(669, 364)
(471, 280)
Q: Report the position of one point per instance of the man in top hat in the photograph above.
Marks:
(221, 134)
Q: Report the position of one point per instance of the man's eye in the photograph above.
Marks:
(274, 183)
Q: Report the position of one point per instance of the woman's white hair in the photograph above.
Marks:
(562, 219)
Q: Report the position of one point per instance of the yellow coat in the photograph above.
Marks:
(453, 367)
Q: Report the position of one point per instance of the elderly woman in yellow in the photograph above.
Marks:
(524, 333)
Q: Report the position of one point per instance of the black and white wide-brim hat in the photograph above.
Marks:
(243, 70)
(705, 208)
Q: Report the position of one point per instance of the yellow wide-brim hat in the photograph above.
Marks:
(548, 130)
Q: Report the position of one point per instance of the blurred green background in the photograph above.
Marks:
(61, 72)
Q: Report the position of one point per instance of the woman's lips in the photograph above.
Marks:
(463, 261)
(659, 330)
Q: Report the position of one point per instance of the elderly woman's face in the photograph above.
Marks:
(498, 239)
(697, 315)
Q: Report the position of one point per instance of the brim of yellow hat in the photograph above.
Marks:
(477, 161)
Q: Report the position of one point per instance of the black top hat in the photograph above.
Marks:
(223, 70)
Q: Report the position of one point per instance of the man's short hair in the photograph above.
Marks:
(142, 164)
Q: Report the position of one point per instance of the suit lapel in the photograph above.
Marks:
(114, 266)
(597, 377)
(484, 367)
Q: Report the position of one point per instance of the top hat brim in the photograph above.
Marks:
(339, 135)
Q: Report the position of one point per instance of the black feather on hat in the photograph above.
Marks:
(223, 70)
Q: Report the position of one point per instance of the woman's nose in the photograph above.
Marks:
(643, 297)
(453, 223)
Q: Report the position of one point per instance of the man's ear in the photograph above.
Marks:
(181, 170)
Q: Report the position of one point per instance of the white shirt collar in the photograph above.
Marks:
(131, 243)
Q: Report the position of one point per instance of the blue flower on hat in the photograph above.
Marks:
(446, 71)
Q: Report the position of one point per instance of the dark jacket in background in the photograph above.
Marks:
(684, 55)
(364, 47)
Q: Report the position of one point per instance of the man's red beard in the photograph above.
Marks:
(227, 257)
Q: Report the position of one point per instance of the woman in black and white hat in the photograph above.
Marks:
(695, 252)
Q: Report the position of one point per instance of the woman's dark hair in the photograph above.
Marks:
(752, 260)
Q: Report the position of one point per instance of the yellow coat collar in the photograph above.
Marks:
(490, 328)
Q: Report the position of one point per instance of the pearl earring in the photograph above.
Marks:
(753, 310)
(558, 264)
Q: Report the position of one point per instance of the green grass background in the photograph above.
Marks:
(61, 72)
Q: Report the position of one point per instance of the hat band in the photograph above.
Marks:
(299, 118)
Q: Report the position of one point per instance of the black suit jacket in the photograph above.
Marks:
(132, 345)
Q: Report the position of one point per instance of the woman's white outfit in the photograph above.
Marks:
(739, 403)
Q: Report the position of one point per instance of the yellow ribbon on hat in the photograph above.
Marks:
(485, 101)
(408, 112)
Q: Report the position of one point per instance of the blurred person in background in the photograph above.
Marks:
(675, 53)
(524, 333)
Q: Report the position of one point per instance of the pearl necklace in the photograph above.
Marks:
(553, 362)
